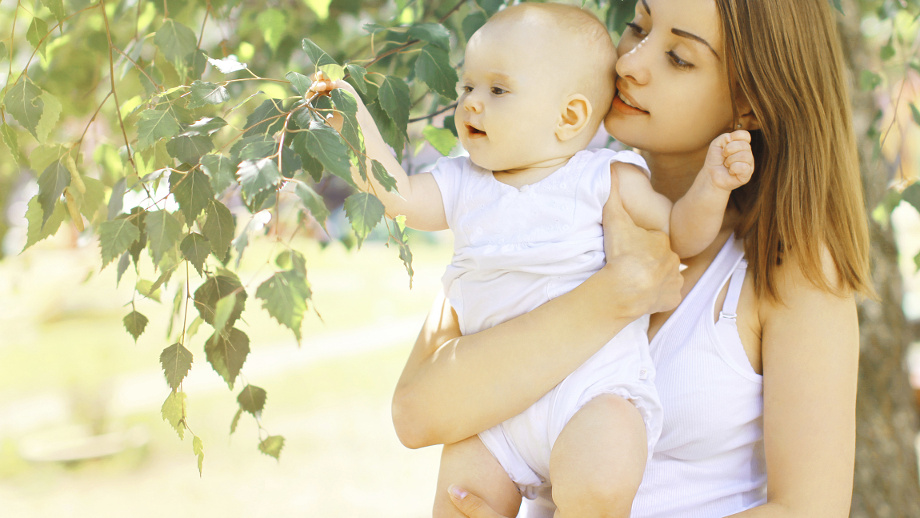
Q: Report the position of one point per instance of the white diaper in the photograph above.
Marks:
(523, 444)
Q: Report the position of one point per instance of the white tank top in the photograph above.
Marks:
(709, 461)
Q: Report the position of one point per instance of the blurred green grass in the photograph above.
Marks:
(65, 359)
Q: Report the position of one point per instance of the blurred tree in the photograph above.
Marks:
(175, 131)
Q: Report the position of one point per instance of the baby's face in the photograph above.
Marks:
(510, 99)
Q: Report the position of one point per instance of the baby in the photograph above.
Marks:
(526, 211)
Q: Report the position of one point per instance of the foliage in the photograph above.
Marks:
(175, 132)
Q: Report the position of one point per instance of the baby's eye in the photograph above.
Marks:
(498, 91)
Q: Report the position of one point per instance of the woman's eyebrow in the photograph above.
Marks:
(645, 5)
(694, 37)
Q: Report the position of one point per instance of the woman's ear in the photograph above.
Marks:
(747, 120)
(576, 113)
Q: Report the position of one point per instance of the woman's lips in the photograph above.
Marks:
(624, 104)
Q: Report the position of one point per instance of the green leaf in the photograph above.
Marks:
(433, 67)
(163, 231)
(227, 352)
(220, 170)
(257, 176)
(382, 176)
(272, 446)
(115, 237)
(154, 125)
(433, 33)
(285, 296)
(35, 216)
(50, 116)
(213, 290)
(227, 65)
(196, 249)
(357, 74)
(300, 82)
(173, 411)
(402, 243)
(472, 23)
(135, 323)
(490, 6)
(268, 118)
(147, 289)
(915, 113)
(324, 144)
(176, 361)
(175, 40)
(51, 186)
(236, 420)
(205, 126)
(223, 311)
(272, 23)
(394, 99)
(12, 143)
(252, 400)
(23, 101)
(35, 34)
(198, 450)
(868, 80)
(189, 149)
(204, 93)
(193, 193)
(838, 5)
(253, 148)
(441, 139)
(364, 211)
(912, 195)
(351, 132)
(334, 72)
(219, 228)
(317, 56)
(313, 202)
(57, 9)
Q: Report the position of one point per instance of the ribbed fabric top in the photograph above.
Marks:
(709, 461)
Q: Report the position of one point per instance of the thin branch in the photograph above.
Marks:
(435, 114)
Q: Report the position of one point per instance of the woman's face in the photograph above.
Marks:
(672, 84)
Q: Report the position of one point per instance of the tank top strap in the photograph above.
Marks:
(730, 306)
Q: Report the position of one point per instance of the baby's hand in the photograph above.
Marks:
(730, 161)
(323, 85)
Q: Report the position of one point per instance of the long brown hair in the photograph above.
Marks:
(806, 195)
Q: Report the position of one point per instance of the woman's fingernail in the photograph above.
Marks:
(457, 492)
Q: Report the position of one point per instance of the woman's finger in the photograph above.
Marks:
(469, 504)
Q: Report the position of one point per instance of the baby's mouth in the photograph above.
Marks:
(474, 132)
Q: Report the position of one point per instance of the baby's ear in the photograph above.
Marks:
(576, 112)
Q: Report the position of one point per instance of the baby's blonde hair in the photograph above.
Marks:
(586, 37)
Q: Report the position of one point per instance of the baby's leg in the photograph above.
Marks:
(471, 466)
(598, 460)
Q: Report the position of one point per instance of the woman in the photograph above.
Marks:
(757, 367)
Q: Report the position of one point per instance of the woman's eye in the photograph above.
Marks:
(635, 29)
(498, 91)
(677, 61)
(466, 89)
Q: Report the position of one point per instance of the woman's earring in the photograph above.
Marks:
(738, 125)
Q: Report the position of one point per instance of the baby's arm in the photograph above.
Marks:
(697, 217)
(647, 208)
(417, 197)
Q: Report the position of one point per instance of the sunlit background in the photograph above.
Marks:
(80, 427)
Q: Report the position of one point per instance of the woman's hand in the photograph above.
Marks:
(643, 272)
(470, 505)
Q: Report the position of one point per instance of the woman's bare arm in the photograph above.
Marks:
(454, 387)
(810, 359)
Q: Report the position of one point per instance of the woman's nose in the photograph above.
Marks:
(632, 64)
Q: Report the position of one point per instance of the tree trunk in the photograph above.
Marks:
(886, 481)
